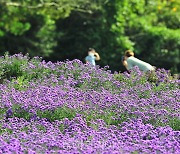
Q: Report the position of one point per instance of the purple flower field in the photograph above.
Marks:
(71, 107)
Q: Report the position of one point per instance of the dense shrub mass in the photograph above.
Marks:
(71, 107)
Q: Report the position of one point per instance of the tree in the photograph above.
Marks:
(150, 28)
(29, 26)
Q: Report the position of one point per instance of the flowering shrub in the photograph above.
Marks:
(71, 107)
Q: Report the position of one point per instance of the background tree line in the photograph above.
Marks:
(65, 29)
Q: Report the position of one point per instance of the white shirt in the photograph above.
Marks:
(143, 66)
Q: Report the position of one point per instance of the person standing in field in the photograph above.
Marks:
(129, 61)
(92, 56)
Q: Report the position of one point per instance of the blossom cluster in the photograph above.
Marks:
(76, 136)
(71, 107)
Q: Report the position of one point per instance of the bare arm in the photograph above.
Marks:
(125, 64)
(97, 56)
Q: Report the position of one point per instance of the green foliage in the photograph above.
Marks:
(142, 27)
(22, 70)
(20, 83)
(11, 67)
(29, 26)
(108, 116)
(65, 29)
(3, 130)
(19, 28)
(2, 113)
(57, 114)
(20, 113)
(174, 123)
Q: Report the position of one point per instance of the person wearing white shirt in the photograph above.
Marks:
(129, 61)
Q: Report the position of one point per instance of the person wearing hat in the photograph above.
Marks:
(92, 56)
(129, 61)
